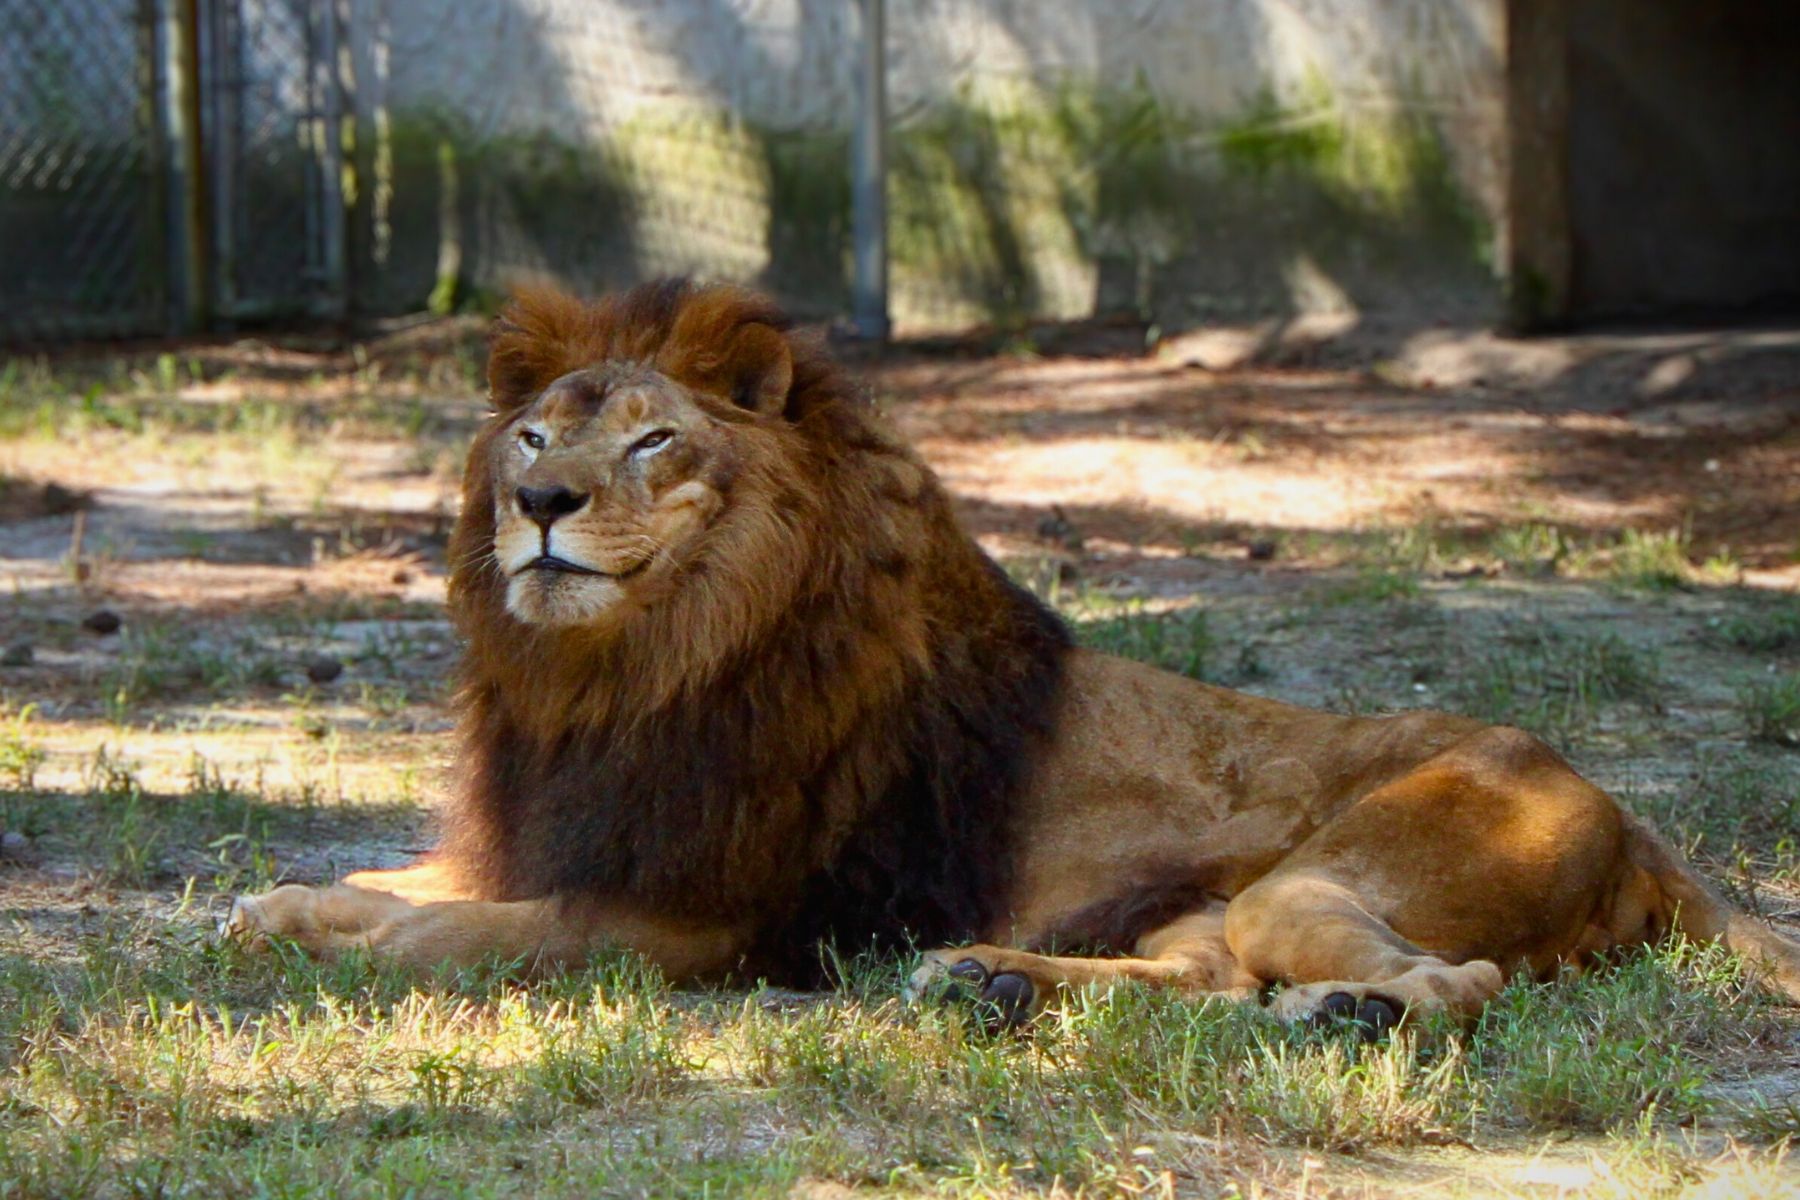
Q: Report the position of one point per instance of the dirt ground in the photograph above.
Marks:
(267, 524)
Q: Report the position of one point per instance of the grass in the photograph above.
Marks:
(188, 1066)
(1656, 560)
(160, 661)
(1739, 809)
(1771, 709)
(1766, 629)
(160, 396)
(1388, 562)
(20, 756)
(1553, 681)
(1604, 1050)
(1178, 640)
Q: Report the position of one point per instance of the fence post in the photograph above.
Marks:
(187, 190)
(868, 181)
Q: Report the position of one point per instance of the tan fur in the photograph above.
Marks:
(784, 558)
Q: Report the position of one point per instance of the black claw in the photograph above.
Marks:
(1006, 1001)
(1376, 1016)
(1372, 1016)
(969, 970)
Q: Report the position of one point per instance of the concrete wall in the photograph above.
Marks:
(1188, 159)
(1684, 153)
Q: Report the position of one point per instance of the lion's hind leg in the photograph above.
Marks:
(1491, 857)
(1012, 986)
(1344, 963)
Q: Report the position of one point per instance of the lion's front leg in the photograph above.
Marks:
(422, 881)
(535, 935)
(1189, 955)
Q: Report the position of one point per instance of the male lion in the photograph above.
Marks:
(737, 683)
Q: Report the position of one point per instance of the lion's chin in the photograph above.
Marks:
(557, 600)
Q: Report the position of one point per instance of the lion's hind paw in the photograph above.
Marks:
(1335, 1006)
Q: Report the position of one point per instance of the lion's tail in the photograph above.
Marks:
(1681, 899)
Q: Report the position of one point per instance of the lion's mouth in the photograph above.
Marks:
(561, 566)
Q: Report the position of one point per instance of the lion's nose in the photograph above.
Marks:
(546, 504)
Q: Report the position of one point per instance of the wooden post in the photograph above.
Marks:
(187, 190)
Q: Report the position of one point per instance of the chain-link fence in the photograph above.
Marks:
(81, 170)
(1048, 158)
(93, 195)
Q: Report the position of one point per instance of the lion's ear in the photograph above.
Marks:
(758, 369)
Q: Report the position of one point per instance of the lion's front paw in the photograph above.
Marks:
(319, 920)
(995, 981)
(289, 911)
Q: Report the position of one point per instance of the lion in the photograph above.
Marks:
(737, 685)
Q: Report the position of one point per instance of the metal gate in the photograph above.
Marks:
(272, 131)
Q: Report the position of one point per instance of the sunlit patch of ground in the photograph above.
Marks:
(1612, 567)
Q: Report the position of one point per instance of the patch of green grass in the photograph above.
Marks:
(1771, 1120)
(20, 755)
(220, 832)
(1739, 809)
(143, 398)
(1771, 709)
(162, 1058)
(1373, 585)
(1531, 548)
(1178, 640)
(1768, 629)
(1601, 1050)
(1642, 560)
(1552, 681)
(160, 661)
(1650, 559)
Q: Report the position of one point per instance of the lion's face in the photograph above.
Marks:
(603, 486)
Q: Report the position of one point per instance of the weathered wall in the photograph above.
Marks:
(1684, 149)
(1187, 158)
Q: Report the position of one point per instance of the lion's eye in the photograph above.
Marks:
(531, 439)
(654, 440)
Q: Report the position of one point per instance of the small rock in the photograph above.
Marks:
(19, 654)
(14, 845)
(1058, 528)
(322, 668)
(1261, 550)
(102, 621)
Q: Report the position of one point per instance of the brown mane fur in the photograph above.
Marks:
(820, 726)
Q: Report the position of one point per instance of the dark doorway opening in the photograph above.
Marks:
(1683, 145)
